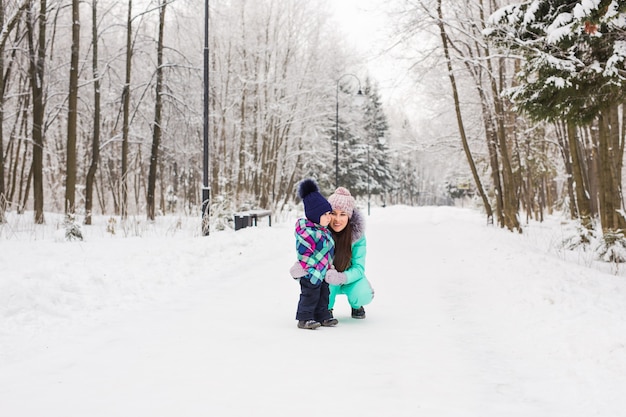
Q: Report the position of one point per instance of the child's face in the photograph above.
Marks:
(325, 219)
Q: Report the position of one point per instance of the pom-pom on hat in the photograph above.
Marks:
(315, 205)
(342, 200)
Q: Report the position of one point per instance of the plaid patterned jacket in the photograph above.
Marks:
(315, 247)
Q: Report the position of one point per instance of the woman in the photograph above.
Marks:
(348, 276)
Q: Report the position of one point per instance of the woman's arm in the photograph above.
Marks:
(356, 271)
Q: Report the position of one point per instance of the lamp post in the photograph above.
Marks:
(359, 93)
(206, 189)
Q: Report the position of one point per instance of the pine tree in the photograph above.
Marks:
(376, 128)
(350, 135)
(572, 72)
(573, 61)
(364, 166)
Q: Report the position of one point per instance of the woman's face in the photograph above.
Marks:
(339, 220)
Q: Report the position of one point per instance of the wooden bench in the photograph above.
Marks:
(250, 218)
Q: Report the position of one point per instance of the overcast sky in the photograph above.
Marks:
(367, 26)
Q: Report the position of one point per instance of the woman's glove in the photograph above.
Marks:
(297, 271)
(335, 278)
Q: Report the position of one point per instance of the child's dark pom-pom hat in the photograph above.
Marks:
(315, 205)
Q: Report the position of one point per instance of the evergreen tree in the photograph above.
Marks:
(364, 166)
(574, 61)
(376, 128)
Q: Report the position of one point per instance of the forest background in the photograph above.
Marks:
(516, 105)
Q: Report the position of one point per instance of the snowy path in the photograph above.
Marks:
(467, 321)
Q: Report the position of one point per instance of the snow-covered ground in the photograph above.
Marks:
(468, 320)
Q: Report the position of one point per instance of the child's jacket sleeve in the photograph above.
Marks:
(315, 248)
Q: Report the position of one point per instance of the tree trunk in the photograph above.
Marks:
(509, 188)
(7, 28)
(582, 202)
(158, 105)
(70, 179)
(562, 139)
(36, 69)
(3, 199)
(589, 162)
(609, 179)
(95, 143)
(617, 149)
(126, 116)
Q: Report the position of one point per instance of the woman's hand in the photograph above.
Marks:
(335, 278)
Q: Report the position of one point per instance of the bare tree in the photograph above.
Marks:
(273, 68)
(457, 107)
(95, 141)
(70, 181)
(126, 112)
(268, 91)
(8, 23)
(158, 108)
(610, 155)
(37, 50)
(3, 199)
(581, 203)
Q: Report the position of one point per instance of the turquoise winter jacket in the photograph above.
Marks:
(356, 270)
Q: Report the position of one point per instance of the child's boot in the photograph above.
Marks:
(308, 324)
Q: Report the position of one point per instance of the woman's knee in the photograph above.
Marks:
(361, 294)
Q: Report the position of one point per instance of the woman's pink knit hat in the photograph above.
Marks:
(342, 200)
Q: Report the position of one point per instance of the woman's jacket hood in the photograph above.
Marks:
(358, 225)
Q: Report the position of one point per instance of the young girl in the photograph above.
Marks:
(315, 248)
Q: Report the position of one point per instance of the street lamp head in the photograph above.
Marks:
(360, 99)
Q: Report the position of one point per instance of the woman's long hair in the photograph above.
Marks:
(343, 247)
